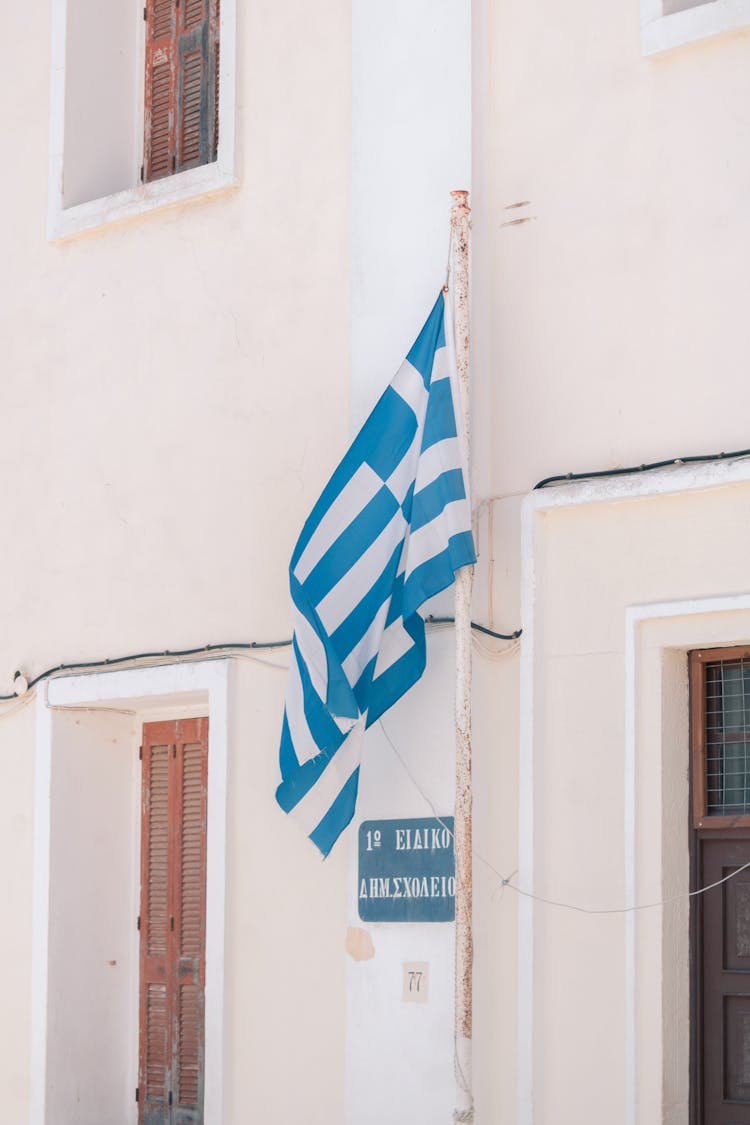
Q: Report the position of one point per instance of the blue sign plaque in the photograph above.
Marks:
(407, 870)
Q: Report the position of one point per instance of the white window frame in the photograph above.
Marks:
(153, 693)
(141, 198)
(661, 32)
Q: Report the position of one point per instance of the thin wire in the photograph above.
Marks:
(450, 252)
(430, 620)
(172, 655)
(501, 887)
(631, 909)
(260, 660)
(413, 779)
(440, 626)
(478, 645)
(90, 710)
(700, 458)
(22, 702)
(491, 562)
(505, 880)
(494, 654)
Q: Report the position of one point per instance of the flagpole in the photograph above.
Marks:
(459, 281)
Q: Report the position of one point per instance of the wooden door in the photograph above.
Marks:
(722, 980)
(720, 914)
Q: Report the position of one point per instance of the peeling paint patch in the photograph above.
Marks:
(359, 944)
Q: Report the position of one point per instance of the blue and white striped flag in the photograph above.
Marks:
(388, 532)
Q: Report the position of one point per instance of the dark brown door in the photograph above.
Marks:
(722, 980)
(173, 922)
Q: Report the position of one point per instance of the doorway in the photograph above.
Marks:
(720, 862)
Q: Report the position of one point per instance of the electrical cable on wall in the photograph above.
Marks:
(23, 684)
(696, 459)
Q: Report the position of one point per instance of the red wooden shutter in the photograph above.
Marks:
(154, 1075)
(160, 87)
(215, 139)
(182, 91)
(173, 912)
(190, 923)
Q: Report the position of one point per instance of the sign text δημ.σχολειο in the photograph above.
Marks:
(407, 870)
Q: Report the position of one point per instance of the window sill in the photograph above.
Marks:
(184, 187)
(664, 32)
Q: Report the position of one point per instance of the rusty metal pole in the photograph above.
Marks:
(464, 1111)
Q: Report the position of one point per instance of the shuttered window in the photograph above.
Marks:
(720, 694)
(182, 85)
(172, 922)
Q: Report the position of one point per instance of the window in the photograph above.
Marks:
(181, 127)
(172, 922)
(672, 23)
(720, 692)
(142, 107)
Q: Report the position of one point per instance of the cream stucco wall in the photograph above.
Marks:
(174, 390)
(608, 330)
(621, 589)
(613, 320)
(177, 388)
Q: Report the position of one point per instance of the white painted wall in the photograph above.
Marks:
(607, 331)
(17, 826)
(103, 98)
(399, 1054)
(175, 392)
(411, 147)
(615, 329)
(623, 590)
(93, 888)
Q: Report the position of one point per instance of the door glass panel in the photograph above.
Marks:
(737, 1055)
(736, 914)
(728, 738)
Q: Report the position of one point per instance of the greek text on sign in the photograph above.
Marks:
(407, 870)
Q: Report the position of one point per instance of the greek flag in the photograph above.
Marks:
(388, 532)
